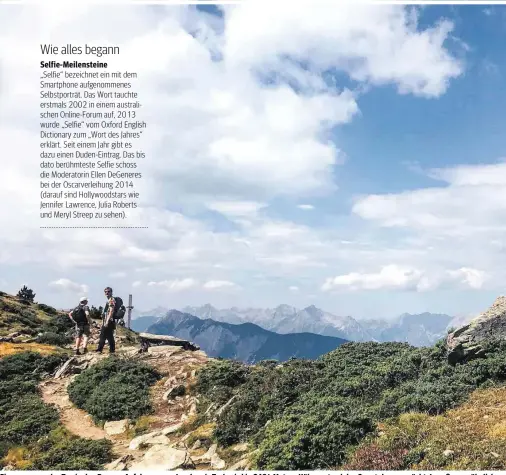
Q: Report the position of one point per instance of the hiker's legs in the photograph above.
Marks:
(79, 335)
(103, 336)
(110, 339)
(86, 336)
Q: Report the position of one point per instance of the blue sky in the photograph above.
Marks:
(365, 179)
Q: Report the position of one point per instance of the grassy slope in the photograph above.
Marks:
(16, 316)
(469, 437)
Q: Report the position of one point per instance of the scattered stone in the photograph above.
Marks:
(172, 429)
(174, 392)
(116, 427)
(448, 453)
(63, 369)
(193, 409)
(145, 439)
(161, 457)
(207, 457)
(197, 445)
(217, 462)
(494, 454)
(119, 464)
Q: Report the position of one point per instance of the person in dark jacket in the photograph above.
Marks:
(108, 324)
(81, 317)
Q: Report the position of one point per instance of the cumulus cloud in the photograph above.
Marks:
(395, 277)
(66, 285)
(449, 209)
(305, 207)
(239, 116)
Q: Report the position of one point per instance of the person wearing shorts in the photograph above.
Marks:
(81, 317)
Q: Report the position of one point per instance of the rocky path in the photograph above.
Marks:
(161, 446)
(77, 421)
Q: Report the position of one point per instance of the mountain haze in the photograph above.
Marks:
(416, 329)
(245, 342)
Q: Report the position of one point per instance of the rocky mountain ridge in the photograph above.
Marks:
(245, 342)
(418, 330)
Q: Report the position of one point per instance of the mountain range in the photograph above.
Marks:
(245, 342)
(418, 330)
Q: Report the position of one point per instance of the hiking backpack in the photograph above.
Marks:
(79, 315)
(119, 309)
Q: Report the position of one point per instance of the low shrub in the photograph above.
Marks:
(114, 389)
(60, 450)
(48, 309)
(56, 339)
(24, 418)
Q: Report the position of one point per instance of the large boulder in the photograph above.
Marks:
(467, 342)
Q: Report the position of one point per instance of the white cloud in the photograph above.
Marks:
(219, 284)
(473, 278)
(66, 285)
(219, 137)
(445, 210)
(305, 207)
(376, 44)
(404, 278)
(389, 277)
(293, 288)
(176, 285)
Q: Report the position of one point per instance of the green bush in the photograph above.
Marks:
(313, 434)
(221, 374)
(114, 389)
(25, 421)
(23, 416)
(51, 338)
(62, 451)
(308, 415)
(59, 324)
(47, 309)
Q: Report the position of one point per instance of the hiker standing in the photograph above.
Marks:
(81, 317)
(114, 310)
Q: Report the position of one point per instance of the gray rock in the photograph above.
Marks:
(118, 464)
(467, 342)
(172, 429)
(161, 457)
(148, 439)
(174, 392)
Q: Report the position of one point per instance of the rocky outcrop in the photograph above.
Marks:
(467, 342)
